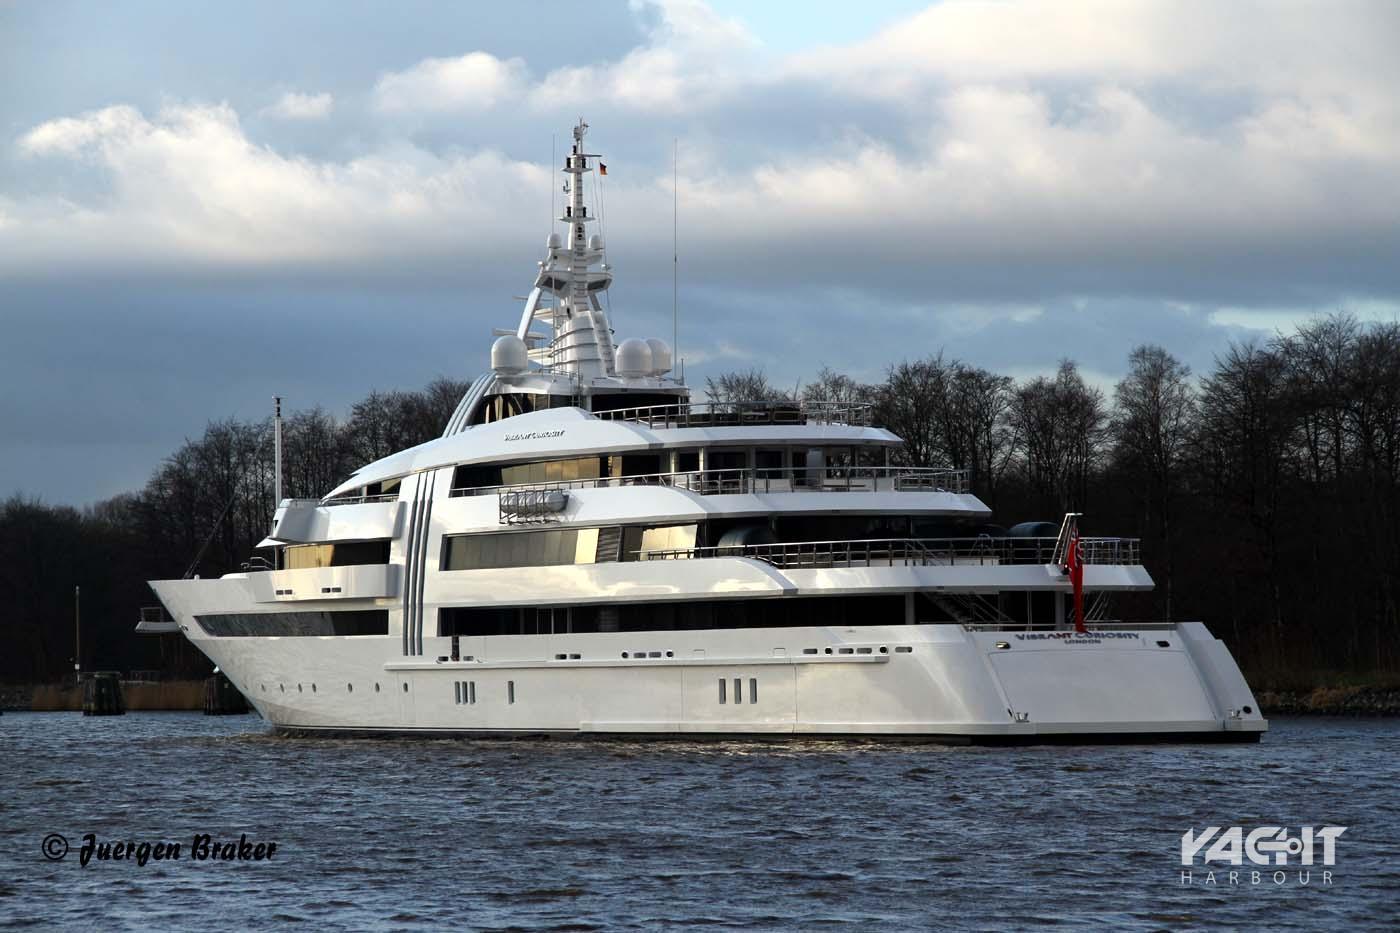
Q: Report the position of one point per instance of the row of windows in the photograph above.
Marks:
(295, 624)
(697, 615)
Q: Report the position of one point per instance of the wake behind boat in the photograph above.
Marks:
(587, 551)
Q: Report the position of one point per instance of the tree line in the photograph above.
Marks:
(1266, 491)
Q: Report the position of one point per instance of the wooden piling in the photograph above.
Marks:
(102, 695)
(221, 698)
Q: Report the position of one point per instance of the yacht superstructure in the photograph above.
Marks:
(587, 551)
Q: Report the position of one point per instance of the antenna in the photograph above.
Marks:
(552, 157)
(276, 457)
(675, 253)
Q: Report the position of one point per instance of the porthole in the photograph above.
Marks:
(1249, 709)
(884, 649)
(282, 687)
(299, 689)
(376, 688)
(349, 688)
(263, 687)
(624, 654)
(828, 651)
(313, 688)
(405, 688)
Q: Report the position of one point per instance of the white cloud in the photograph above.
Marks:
(296, 106)
(692, 57)
(476, 81)
(189, 184)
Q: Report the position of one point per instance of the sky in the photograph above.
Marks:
(204, 205)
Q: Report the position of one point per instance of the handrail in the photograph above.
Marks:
(1093, 626)
(910, 552)
(359, 500)
(740, 480)
(720, 414)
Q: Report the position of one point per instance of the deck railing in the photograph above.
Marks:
(359, 500)
(731, 414)
(922, 552)
(741, 480)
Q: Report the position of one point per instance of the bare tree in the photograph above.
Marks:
(976, 428)
(748, 386)
(1062, 425)
(909, 404)
(1154, 412)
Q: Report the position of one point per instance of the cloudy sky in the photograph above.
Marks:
(202, 205)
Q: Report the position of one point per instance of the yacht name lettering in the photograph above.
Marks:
(1077, 638)
(203, 848)
(534, 435)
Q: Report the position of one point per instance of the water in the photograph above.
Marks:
(588, 835)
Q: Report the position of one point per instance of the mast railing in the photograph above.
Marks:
(746, 480)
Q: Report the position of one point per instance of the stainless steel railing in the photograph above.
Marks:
(891, 552)
(357, 500)
(728, 414)
(740, 480)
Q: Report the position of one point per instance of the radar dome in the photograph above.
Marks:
(509, 355)
(633, 358)
(595, 242)
(660, 356)
(554, 242)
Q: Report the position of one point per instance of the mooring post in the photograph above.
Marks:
(102, 694)
(221, 698)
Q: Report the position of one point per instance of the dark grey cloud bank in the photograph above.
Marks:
(201, 207)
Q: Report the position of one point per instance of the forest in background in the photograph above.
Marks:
(1266, 491)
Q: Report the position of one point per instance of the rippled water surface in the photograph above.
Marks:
(592, 835)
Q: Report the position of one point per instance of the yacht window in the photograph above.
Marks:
(721, 690)
(346, 554)
(520, 549)
(753, 689)
(292, 624)
(687, 461)
(552, 471)
(726, 459)
(769, 463)
(738, 690)
(668, 538)
(510, 691)
(634, 465)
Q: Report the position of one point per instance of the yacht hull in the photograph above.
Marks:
(930, 682)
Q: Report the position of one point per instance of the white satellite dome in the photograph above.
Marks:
(660, 356)
(595, 242)
(633, 358)
(509, 355)
(554, 242)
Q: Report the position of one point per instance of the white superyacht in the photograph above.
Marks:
(586, 551)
